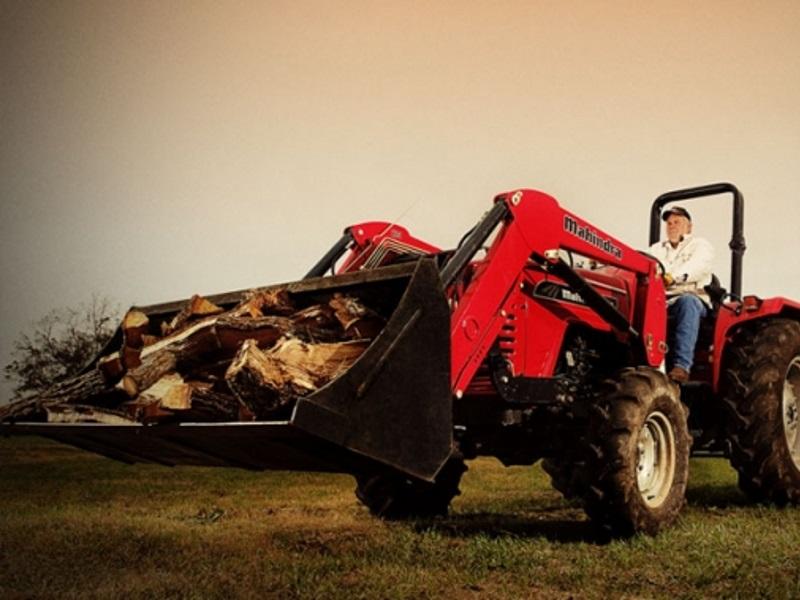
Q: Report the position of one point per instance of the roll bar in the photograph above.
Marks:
(737, 243)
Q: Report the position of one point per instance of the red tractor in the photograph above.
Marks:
(539, 337)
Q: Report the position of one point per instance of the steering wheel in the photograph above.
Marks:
(660, 264)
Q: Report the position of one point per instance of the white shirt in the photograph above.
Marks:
(690, 263)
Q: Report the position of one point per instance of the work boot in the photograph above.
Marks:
(678, 375)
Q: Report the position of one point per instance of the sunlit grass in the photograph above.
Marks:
(74, 525)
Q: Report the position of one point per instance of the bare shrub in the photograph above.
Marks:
(59, 345)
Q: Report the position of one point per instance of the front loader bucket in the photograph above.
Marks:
(392, 408)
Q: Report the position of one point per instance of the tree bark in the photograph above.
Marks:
(152, 369)
(89, 388)
(81, 413)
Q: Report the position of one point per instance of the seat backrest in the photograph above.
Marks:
(715, 291)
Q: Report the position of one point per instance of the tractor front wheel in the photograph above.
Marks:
(761, 389)
(633, 464)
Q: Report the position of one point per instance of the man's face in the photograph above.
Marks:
(677, 227)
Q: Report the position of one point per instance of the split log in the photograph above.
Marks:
(149, 340)
(321, 362)
(266, 381)
(147, 411)
(318, 323)
(358, 321)
(152, 369)
(202, 404)
(196, 338)
(224, 333)
(163, 357)
(209, 405)
(231, 332)
(111, 367)
(262, 383)
(130, 357)
(259, 303)
(197, 307)
(216, 335)
(134, 326)
(160, 401)
(171, 392)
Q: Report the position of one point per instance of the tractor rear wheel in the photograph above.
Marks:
(761, 390)
(633, 463)
(392, 496)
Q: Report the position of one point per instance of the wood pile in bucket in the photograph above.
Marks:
(208, 364)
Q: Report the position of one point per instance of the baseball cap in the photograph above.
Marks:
(675, 210)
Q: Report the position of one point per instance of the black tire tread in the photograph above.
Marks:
(752, 384)
(602, 469)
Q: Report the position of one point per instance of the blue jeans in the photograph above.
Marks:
(685, 313)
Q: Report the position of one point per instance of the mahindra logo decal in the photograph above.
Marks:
(589, 236)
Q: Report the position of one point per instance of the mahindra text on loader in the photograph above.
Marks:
(539, 337)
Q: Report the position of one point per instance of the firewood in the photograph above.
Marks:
(171, 392)
(209, 405)
(210, 371)
(130, 357)
(153, 368)
(146, 410)
(266, 381)
(111, 367)
(171, 398)
(197, 307)
(163, 356)
(225, 333)
(214, 335)
(88, 388)
(358, 321)
(149, 340)
(317, 323)
(259, 303)
(200, 404)
(259, 382)
(134, 326)
(197, 335)
(231, 332)
(214, 365)
(79, 413)
(321, 363)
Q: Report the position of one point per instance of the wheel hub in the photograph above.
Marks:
(791, 410)
(655, 468)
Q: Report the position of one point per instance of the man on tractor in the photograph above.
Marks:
(688, 263)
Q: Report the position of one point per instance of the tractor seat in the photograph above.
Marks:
(705, 337)
(716, 293)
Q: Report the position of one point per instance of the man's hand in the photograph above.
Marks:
(669, 279)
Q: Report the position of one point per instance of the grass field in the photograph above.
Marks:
(75, 525)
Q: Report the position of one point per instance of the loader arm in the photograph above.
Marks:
(370, 245)
(532, 225)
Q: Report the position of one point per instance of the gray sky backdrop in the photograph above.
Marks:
(153, 149)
